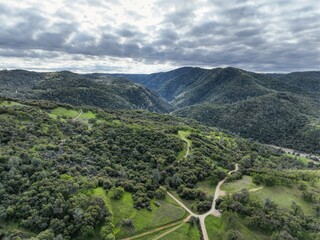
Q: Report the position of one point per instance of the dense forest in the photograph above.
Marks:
(279, 109)
(67, 87)
(55, 157)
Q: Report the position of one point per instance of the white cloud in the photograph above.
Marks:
(156, 35)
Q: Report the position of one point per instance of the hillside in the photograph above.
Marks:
(280, 109)
(94, 174)
(66, 87)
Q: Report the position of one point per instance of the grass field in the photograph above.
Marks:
(185, 135)
(10, 104)
(217, 228)
(235, 186)
(302, 159)
(207, 187)
(63, 112)
(86, 116)
(154, 235)
(284, 196)
(144, 220)
(185, 232)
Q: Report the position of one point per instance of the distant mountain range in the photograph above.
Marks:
(101, 91)
(280, 109)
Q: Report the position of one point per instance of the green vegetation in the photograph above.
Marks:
(272, 108)
(65, 113)
(228, 225)
(143, 220)
(284, 196)
(95, 90)
(106, 168)
(235, 186)
(185, 232)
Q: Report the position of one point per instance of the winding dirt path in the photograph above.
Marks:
(213, 211)
(76, 118)
(188, 145)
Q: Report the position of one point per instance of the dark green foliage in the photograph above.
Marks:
(66, 87)
(50, 166)
(281, 109)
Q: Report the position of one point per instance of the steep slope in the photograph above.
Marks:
(277, 119)
(106, 92)
(282, 109)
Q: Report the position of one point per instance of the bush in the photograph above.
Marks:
(116, 193)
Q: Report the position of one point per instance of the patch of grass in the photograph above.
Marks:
(63, 112)
(86, 116)
(144, 220)
(10, 104)
(185, 232)
(183, 135)
(283, 196)
(207, 187)
(217, 228)
(302, 159)
(235, 186)
(154, 235)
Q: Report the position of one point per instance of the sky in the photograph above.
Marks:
(144, 36)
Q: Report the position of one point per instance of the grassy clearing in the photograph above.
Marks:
(184, 136)
(185, 232)
(63, 112)
(86, 116)
(207, 187)
(235, 186)
(283, 196)
(217, 228)
(144, 220)
(10, 104)
(302, 159)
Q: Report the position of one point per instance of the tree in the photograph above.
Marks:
(160, 193)
(116, 193)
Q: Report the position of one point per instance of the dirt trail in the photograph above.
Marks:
(173, 229)
(178, 224)
(76, 118)
(188, 145)
(293, 152)
(255, 189)
(213, 211)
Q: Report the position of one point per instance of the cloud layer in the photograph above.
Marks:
(147, 36)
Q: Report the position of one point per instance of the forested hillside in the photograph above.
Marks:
(66, 87)
(281, 109)
(94, 174)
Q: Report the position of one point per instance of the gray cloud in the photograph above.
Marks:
(262, 37)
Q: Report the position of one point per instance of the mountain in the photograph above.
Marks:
(280, 109)
(67, 87)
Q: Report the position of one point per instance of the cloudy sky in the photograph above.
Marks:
(156, 35)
